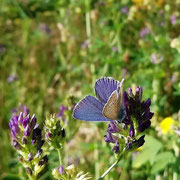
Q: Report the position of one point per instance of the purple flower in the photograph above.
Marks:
(115, 49)
(125, 10)
(27, 140)
(113, 128)
(61, 170)
(44, 28)
(156, 58)
(16, 145)
(110, 138)
(62, 109)
(135, 143)
(131, 131)
(23, 127)
(85, 44)
(144, 31)
(137, 111)
(173, 19)
(14, 126)
(116, 148)
(12, 78)
(43, 161)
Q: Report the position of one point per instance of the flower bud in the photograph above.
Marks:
(28, 171)
(63, 133)
(131, 131)
(30, 156)
(16, 145)
(61, 170)
(39, 152)
(116, 147)
(33, 121)
(27, 131)
(20, 118)
(43, 160)
(24, 140)
(26, 121)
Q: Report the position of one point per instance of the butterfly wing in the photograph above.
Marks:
(89, 109)
(104, 88)
(112, 107)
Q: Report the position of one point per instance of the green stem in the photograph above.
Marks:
(88, 25)
(111, 167)
(60, 156)
(32, 177)
(88, 19)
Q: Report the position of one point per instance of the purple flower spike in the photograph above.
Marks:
(61, 170)
(135, 107)
(27, 140)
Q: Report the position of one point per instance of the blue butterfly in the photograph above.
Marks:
(106, 106)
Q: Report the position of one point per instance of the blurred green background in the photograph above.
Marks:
(52, 49)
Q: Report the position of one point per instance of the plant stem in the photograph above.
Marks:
(88, 19)
(88, 25)
(111, 167)
(60, 156)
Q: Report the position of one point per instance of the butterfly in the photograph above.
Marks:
(106, 106)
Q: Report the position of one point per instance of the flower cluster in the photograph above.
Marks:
(71, 172)
(55, 134)
(136, 119)
(27, 140)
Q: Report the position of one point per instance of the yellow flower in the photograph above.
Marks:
(166, 125)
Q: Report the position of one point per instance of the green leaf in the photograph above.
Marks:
(150, 149)
(162, 160)
(11, 176)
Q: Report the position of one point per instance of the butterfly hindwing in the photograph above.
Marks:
(112, 107)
